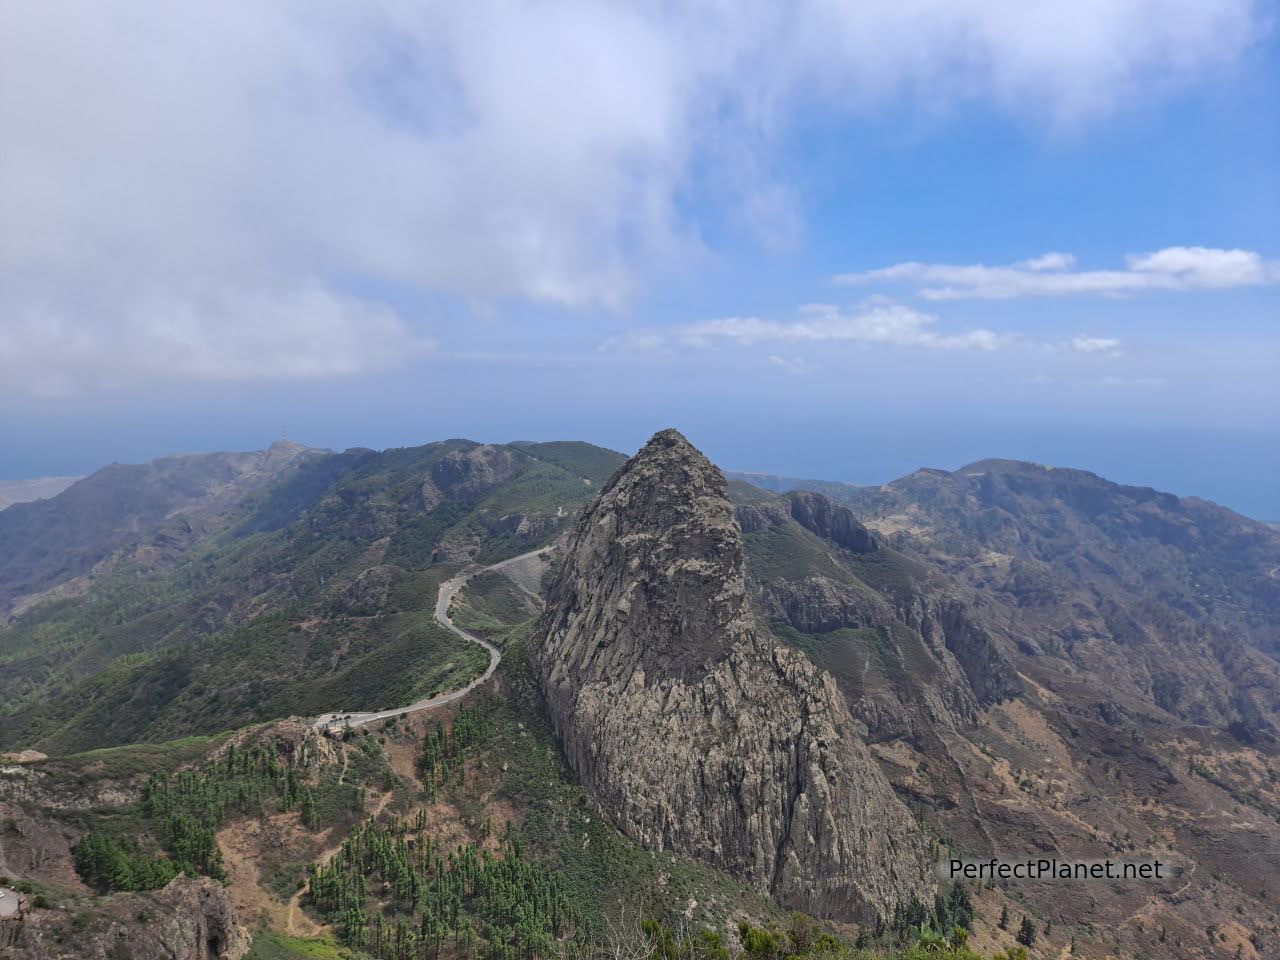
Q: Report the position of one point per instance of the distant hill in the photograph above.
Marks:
(781, 484)
(47, 542)
(1151, 566)
(192, 594)
(39, 488)
(1029, 660)
(1046, 660)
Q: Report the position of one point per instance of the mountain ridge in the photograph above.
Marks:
(1024, 658)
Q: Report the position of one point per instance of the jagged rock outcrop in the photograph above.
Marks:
(903, 647)
(945, 623)
(819, 515)
(190, 919)
(819, 604)
(690, 726)
(463, 474)
(299, 742)
(896, 681)
(816, 513)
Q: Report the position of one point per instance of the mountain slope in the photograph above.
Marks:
(1029, 660)
(37, 488)
(901, 640)
(311, 593)
(1136, 627)
(690, 727)
(1176, 600)
(47, 542)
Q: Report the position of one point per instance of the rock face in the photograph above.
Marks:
(189, 919)
(693, 730)
(462, 474)
(819, 515)
(899, 640)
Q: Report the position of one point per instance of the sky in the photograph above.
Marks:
(824, 239)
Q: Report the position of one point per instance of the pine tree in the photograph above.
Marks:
(1004, 918)
(1027, 933)
(310, 816)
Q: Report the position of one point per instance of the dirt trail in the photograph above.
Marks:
(289, 916)
(296, 921)
(253, 902)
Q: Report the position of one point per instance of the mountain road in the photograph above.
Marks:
(448, 590)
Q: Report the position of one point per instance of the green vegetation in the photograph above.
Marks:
(394, 894)
(279, 946)
(585, 460)
(557, 885)
(800, 938)
(1027, 933)
(135, 759)
(602, 872)
(887, 571)
(316, 594)
(790, 552)
(441, 759)
(951, 917)
(180, 812)
(490, 605)
(104, 863)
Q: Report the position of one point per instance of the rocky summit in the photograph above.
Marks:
(690, 726)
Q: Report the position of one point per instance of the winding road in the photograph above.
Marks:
(448, 590)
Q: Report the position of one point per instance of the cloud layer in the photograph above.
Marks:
(874, 322)
(222, 335)
(1052, 275)
(215, 189)
(888, 324)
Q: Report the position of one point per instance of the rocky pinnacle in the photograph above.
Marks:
(692, 728)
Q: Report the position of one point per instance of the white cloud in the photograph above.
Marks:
(1048, 261)
(874, 321)
(1206, 267)
(1173, 268)
(223, 335)
(1105, 345)
(887, 324)
(792, 365)
(488, 150)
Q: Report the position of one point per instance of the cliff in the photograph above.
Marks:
(692, 729)
(190, 918)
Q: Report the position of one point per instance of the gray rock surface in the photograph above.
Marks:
(187, 920)
(902, 643)
(819, 515)
(694, 731)
(462, 474)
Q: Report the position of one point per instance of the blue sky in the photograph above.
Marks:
(835, 240)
